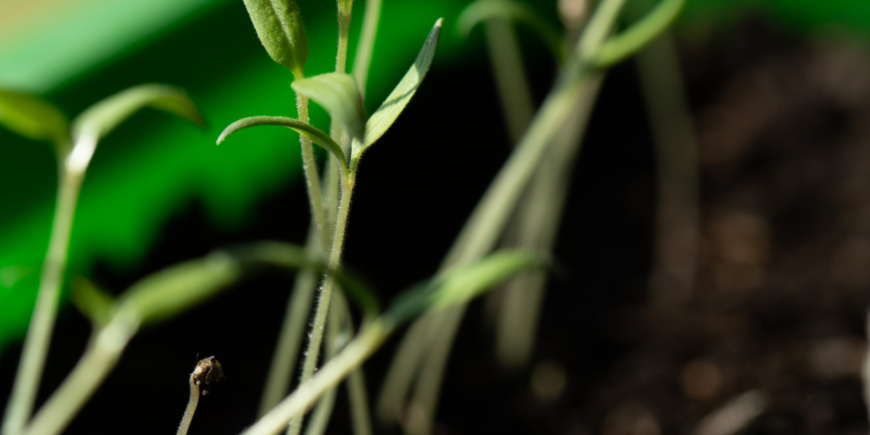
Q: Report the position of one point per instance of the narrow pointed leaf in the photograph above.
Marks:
(32, 117)
(311, 132)
(512, 10)
(93, 302)
(633, 39)
(168, 292)
(390, 109)
(462, 283)
(293, 256)
(281, 30)
(339, 95)
(103, 117)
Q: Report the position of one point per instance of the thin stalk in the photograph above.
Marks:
(538, 221)
(191, 407)
(321, 414)
(488, 220)
(99, 359)
(36, 344)
(309, 167)
(677, 214)
(371, 336)
(316, 335)
(292, 330)
(510, 76)
(363, 58)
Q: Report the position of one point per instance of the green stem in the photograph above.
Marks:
(677, 214)
(371, 336)
(39, 333)
(365, 47)
(101, 356)
(309, 167)
(292, 330)
(488, 220)
(316, 335)
(321, 414)
(538, 218)
(510, 76)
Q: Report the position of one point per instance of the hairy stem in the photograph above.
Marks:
(39, 333)
(316, 336)
(292, 330)
(309, 167)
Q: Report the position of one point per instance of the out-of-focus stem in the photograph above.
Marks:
(676, 236)
(38, 338)
(363, 58)
(510, 76)
(538, 223)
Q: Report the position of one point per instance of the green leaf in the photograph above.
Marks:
(103, 117)
(339, 95)
(93, 302)
(633, 39)
(462, 283)
(293, 256)
(512, 10)
(311, 132)
(172, 290)
(386, 115)
(281, 30)
(33, 117)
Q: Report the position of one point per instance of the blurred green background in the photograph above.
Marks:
(78, 52)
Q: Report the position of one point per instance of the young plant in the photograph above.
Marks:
(425, 348)
(74, 147)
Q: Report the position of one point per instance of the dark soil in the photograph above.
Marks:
(778, 307)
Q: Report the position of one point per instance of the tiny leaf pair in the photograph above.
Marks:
(339, 94)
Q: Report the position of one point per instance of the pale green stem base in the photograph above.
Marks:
(677, 215)
(191, 408)
(39, 333)
(538, 223)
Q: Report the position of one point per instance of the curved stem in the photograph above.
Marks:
(488, 220)
(191, 407)
(38, 339)
(99, 359)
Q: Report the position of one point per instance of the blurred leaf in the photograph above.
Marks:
(93, 302)
(281, 30)
(339, 95)
(172, 290)
(631, 40)
(293, 256)
(512, 10)
(317, 136)
(33, 117)
(386, 115)
(462, 283)
(104, 116)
